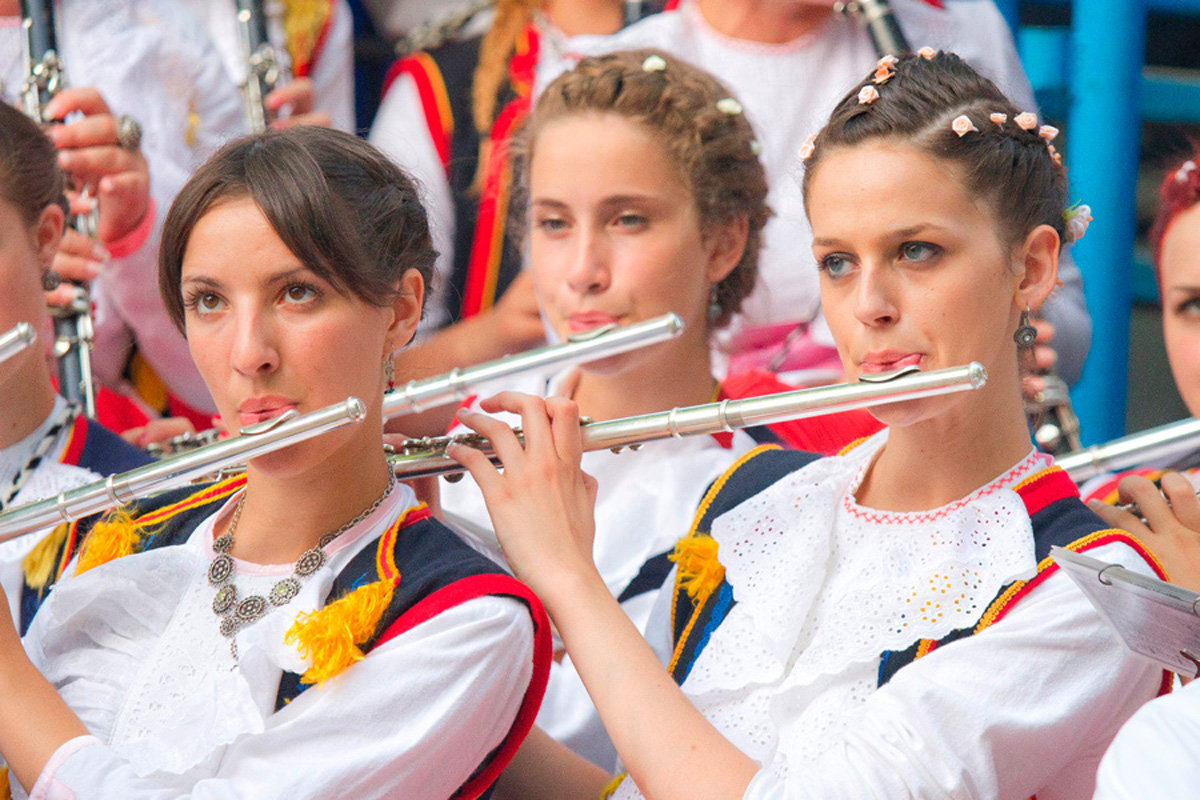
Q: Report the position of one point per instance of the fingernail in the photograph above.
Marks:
(100, 253)
(91, 269)
(64, 159)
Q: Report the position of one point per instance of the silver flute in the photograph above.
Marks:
(263, 68)
(115, 490)
(16, 339)
(417, 458)
(457, 384)
(1169, 441)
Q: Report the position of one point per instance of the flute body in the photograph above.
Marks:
(178, 470)
(16, 339)
(424, 457)
(1174, 440)
(263, 68)
(880, 22)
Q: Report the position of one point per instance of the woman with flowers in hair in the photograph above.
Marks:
(884, 622)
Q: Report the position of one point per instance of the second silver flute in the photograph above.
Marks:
(418, 458)
(16, 339)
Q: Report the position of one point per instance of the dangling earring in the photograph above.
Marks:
(1025, 334)
(389, 372)
(714, 305)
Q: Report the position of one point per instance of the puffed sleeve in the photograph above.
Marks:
(414, 719)
(402, 131)
(1026, 706)
(1154, 754)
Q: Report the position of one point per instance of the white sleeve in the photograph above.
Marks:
(1026, 706)
(401, 131)
(1154, 755)
(414, 720)
(332, 71)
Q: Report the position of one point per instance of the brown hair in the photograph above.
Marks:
(344, 209)
(29, 175)
(1009, 167)
(714, 151)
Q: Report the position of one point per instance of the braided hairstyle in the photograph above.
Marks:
(344, 209)
(1180, 191)
(29, 175)
(700, 126)
(1011, 167)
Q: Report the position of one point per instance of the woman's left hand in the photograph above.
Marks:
(91, 151)
(299, 99)
(1172, 523)
(542, 504)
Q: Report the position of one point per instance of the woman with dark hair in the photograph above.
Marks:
(46, 444)
(177, 657)
(884, 622)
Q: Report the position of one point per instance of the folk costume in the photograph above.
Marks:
(425, 125)
(860, 653)
(65, 451)
(1152, 755)
(787, 92)
(456, 655)
(147, 62)
(643, 501)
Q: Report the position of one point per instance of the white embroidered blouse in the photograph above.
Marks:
(134, 649)
(823, 586)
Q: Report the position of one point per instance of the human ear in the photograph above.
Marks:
(47, 234)
(406, 310)
(1036, 267)
(726, 244)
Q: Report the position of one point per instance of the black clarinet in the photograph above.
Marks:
(881, 25)
(263, 69)
(73, 324)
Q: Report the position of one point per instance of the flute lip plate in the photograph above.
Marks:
(890, 375)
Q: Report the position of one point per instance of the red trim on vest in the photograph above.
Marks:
(304, 69)
(469, 589)
(75, 441)
(487, 246)
(1043, 488)
(671, 5)
(435, 100)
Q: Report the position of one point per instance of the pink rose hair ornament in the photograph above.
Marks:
(867, 95)
(806, 150)
(1026, 120)
(999, 118)
(962, 125)
(927, 53)
(1077, 217)
(885, 69)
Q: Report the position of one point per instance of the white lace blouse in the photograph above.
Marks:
(134, 649)
(823, 586)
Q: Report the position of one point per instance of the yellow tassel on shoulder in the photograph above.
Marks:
(331, 635)
(112, 537)
(700, 573)
(39, 564)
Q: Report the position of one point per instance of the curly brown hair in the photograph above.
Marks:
(714, 150)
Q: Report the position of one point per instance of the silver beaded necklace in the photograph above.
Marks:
(236, 613)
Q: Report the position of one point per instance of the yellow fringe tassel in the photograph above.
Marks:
(303, 21)
(332, 634)
(39, 564)
(612, 787)
(112, 537)
(700, 573)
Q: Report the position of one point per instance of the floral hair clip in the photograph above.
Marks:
(927, 53)
(806, 150)
(1055, 156)
(885, 69)
(654, 64)
(1185, 169)
(1048, 132)
(962, 125)
(998, 117)
(867, 94)
(730, 106)
(1026, 120)
(1078, 217)
(755, 147)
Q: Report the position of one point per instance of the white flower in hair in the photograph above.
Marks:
(962, 125)
(867, 94)
(1185, 168)
(1078, 218)
(654, 64)
(755, 147)
(728, 105)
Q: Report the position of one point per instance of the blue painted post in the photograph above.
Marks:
(1009, 9)
(1103, 127)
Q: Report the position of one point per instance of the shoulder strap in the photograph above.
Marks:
(1059, 518)
(94, 447)
(702, 598)
(436, 105)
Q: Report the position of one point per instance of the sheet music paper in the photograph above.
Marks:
(1153, 618)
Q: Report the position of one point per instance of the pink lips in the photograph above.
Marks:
(260, 409)
(582, 321)
(887, 360)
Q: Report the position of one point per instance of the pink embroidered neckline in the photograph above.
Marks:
(1032, 463)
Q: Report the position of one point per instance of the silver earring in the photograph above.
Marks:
(1025, 334)
(714, 305)
(389, 372)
